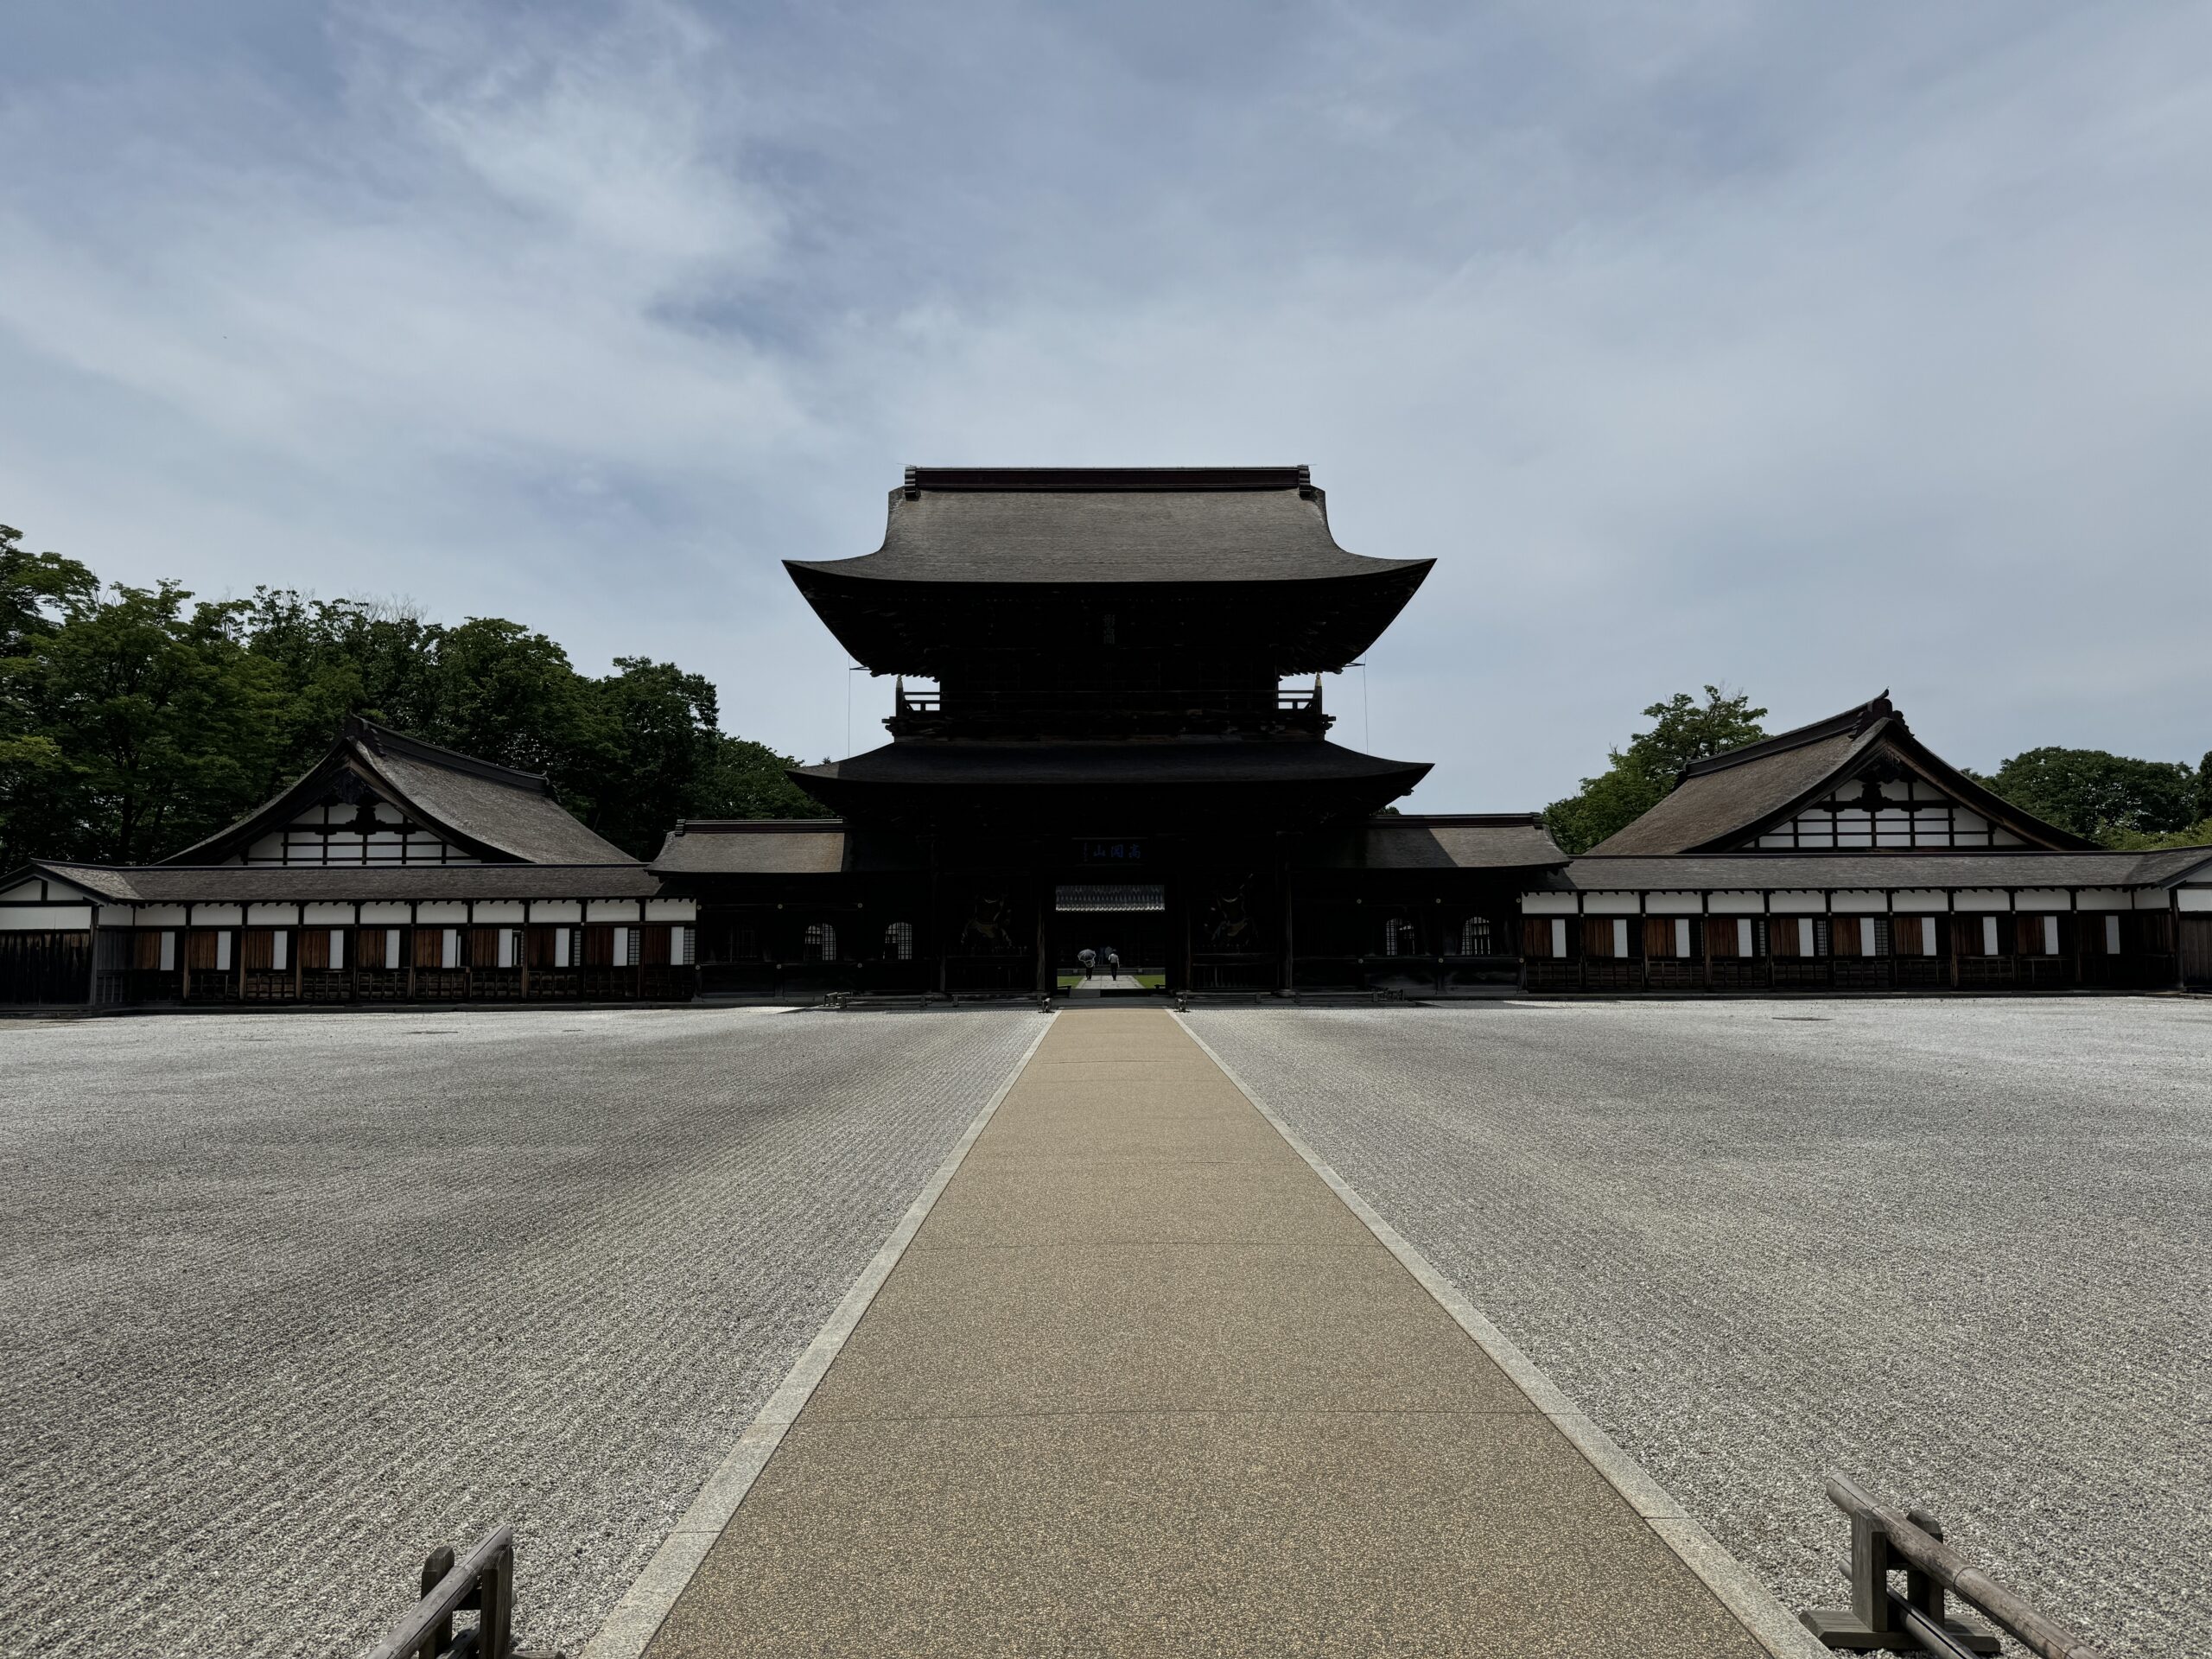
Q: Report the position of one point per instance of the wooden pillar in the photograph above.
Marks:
(1041, 882)
(299, 936)
(638, 944)
(237, 953)
(184, 958)
(521, 952)
(353, 959)
(413, 925)
(1705, 934)
(1289, 974)
(1951, 911)
(2173, 921)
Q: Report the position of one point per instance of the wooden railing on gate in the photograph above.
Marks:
(1880, 1619)
(482, 1582)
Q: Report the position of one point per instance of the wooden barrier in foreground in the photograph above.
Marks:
(1881, 1619)
(482, 1582)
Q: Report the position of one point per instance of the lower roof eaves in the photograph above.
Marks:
(232, 884)
(1877, 870)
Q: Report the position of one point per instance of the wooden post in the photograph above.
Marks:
(521, 951)
(2173, 921)
(638, 944)
(1705, 934)
(1289, 887)
(184, 958)
(1047, 981)
(414, 923)
(353, 958)
(1951, 902)
(298, 937)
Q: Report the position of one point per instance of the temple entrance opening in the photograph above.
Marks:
(1110, 937)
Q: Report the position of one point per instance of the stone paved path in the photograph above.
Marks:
(1143, 1384)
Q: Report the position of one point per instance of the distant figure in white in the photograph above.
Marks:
(1113, 962)
(1088, 959)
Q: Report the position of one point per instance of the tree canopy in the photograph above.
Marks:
(133, 721)
(2112, 798)
(1682, 730)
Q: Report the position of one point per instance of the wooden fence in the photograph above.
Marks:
(1917, 1619)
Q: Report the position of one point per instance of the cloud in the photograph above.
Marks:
(1703, 342)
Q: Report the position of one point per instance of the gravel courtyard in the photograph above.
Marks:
(1962, 1250)
(284, 1300)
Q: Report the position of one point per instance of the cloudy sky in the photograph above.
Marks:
(1811, 349)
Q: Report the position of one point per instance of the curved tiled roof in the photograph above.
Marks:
(1108, 525)
(1124, 762)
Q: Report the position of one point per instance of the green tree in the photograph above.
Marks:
(39, 592)
(2099, 795)
(1682, 730)
(163, 722)
(134, 724)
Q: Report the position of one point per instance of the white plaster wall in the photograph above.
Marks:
(382, 914)
(217, 916)
(160, 915)
(446, 913)
(119, 916)
(1861, 904)
(2104, 898)
(556, 910)
(1737, 904)
(1797, 904)
(1920, 901)
(2195, 898)
(272, 915)
(2152, 899)
(1983, 899)
(671, 910)
(42, 919)
(612, 910)
(1609, 904)
(499, 912)
(1673, 904)
(329, 916)
(1547, 904)
(2044, 898)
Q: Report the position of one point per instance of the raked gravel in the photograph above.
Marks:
(286, 1299)
(1962, 1250)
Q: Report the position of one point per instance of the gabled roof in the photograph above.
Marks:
(492, 811)
(1149, 524)
(1729, 801)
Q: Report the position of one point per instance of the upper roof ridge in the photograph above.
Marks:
(1855, 721)
(383, 740)
(1043, 478)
